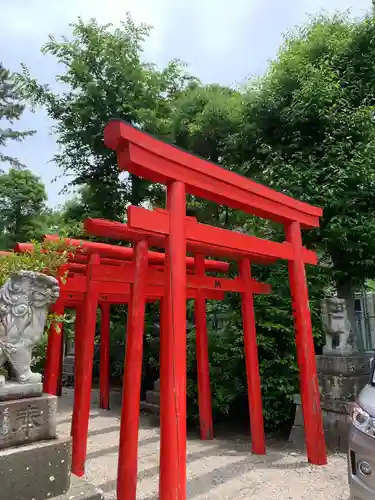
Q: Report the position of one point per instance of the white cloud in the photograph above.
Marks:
(32, 21)
(222, 41)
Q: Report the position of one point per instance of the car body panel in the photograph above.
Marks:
(366, 400)
(361, 447)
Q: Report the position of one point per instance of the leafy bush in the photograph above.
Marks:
(46, 257)
(276, 349)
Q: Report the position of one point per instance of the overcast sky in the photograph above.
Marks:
(223, 42)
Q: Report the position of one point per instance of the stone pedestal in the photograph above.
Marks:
(24, 421)
(341, 378)
(34, 463)
(36, 471)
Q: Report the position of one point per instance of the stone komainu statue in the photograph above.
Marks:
(336, 326)
(24, 302)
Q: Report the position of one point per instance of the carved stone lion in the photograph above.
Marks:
(24, 302)
(336, 326)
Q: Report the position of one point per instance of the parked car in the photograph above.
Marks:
(361, 453)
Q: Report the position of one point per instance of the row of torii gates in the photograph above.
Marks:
(101, 274)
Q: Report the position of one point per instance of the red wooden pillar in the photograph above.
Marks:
(61, 362)
(53, 357)
(83, 376)
(163, 317)
(309, 387)
(104, 377)
(78, 327)
(77, 338)
(172, 481)
(252, 365)
(128, 449)
(203, 367)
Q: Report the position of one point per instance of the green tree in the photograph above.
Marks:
(307, 129)
(104, 77)
(66, 220)
(202, 119)
(22, 207)
(11, 110)
(55, 221)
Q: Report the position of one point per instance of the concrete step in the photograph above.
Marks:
(150, 408)
(81, 490)
(153, 397)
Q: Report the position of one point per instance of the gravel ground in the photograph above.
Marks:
(220, 469)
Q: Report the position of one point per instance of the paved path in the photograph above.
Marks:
(222, 469)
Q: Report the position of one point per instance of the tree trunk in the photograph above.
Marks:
(227, 213)
(136, 190)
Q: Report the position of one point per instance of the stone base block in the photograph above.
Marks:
(341, 378)
(341, 387)
(81, 490)
(336, 418)
(153, 397)
(15, 390)
(28, 420)
(152, 404)
(297, 436)
(37, 471)
(344, 365)
(151, 409)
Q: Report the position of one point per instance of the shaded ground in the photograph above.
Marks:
(221, 469)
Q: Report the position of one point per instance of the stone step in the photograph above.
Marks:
(150, 408)
(115, 396)
(153, 397)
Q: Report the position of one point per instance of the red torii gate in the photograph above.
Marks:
(145, 156)
(74, 288)
(199, 287)
(214, 286)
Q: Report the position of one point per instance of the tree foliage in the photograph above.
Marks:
(104, 77)
(23, 213)
(203, 117)
(307, 129)
(11, 110)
